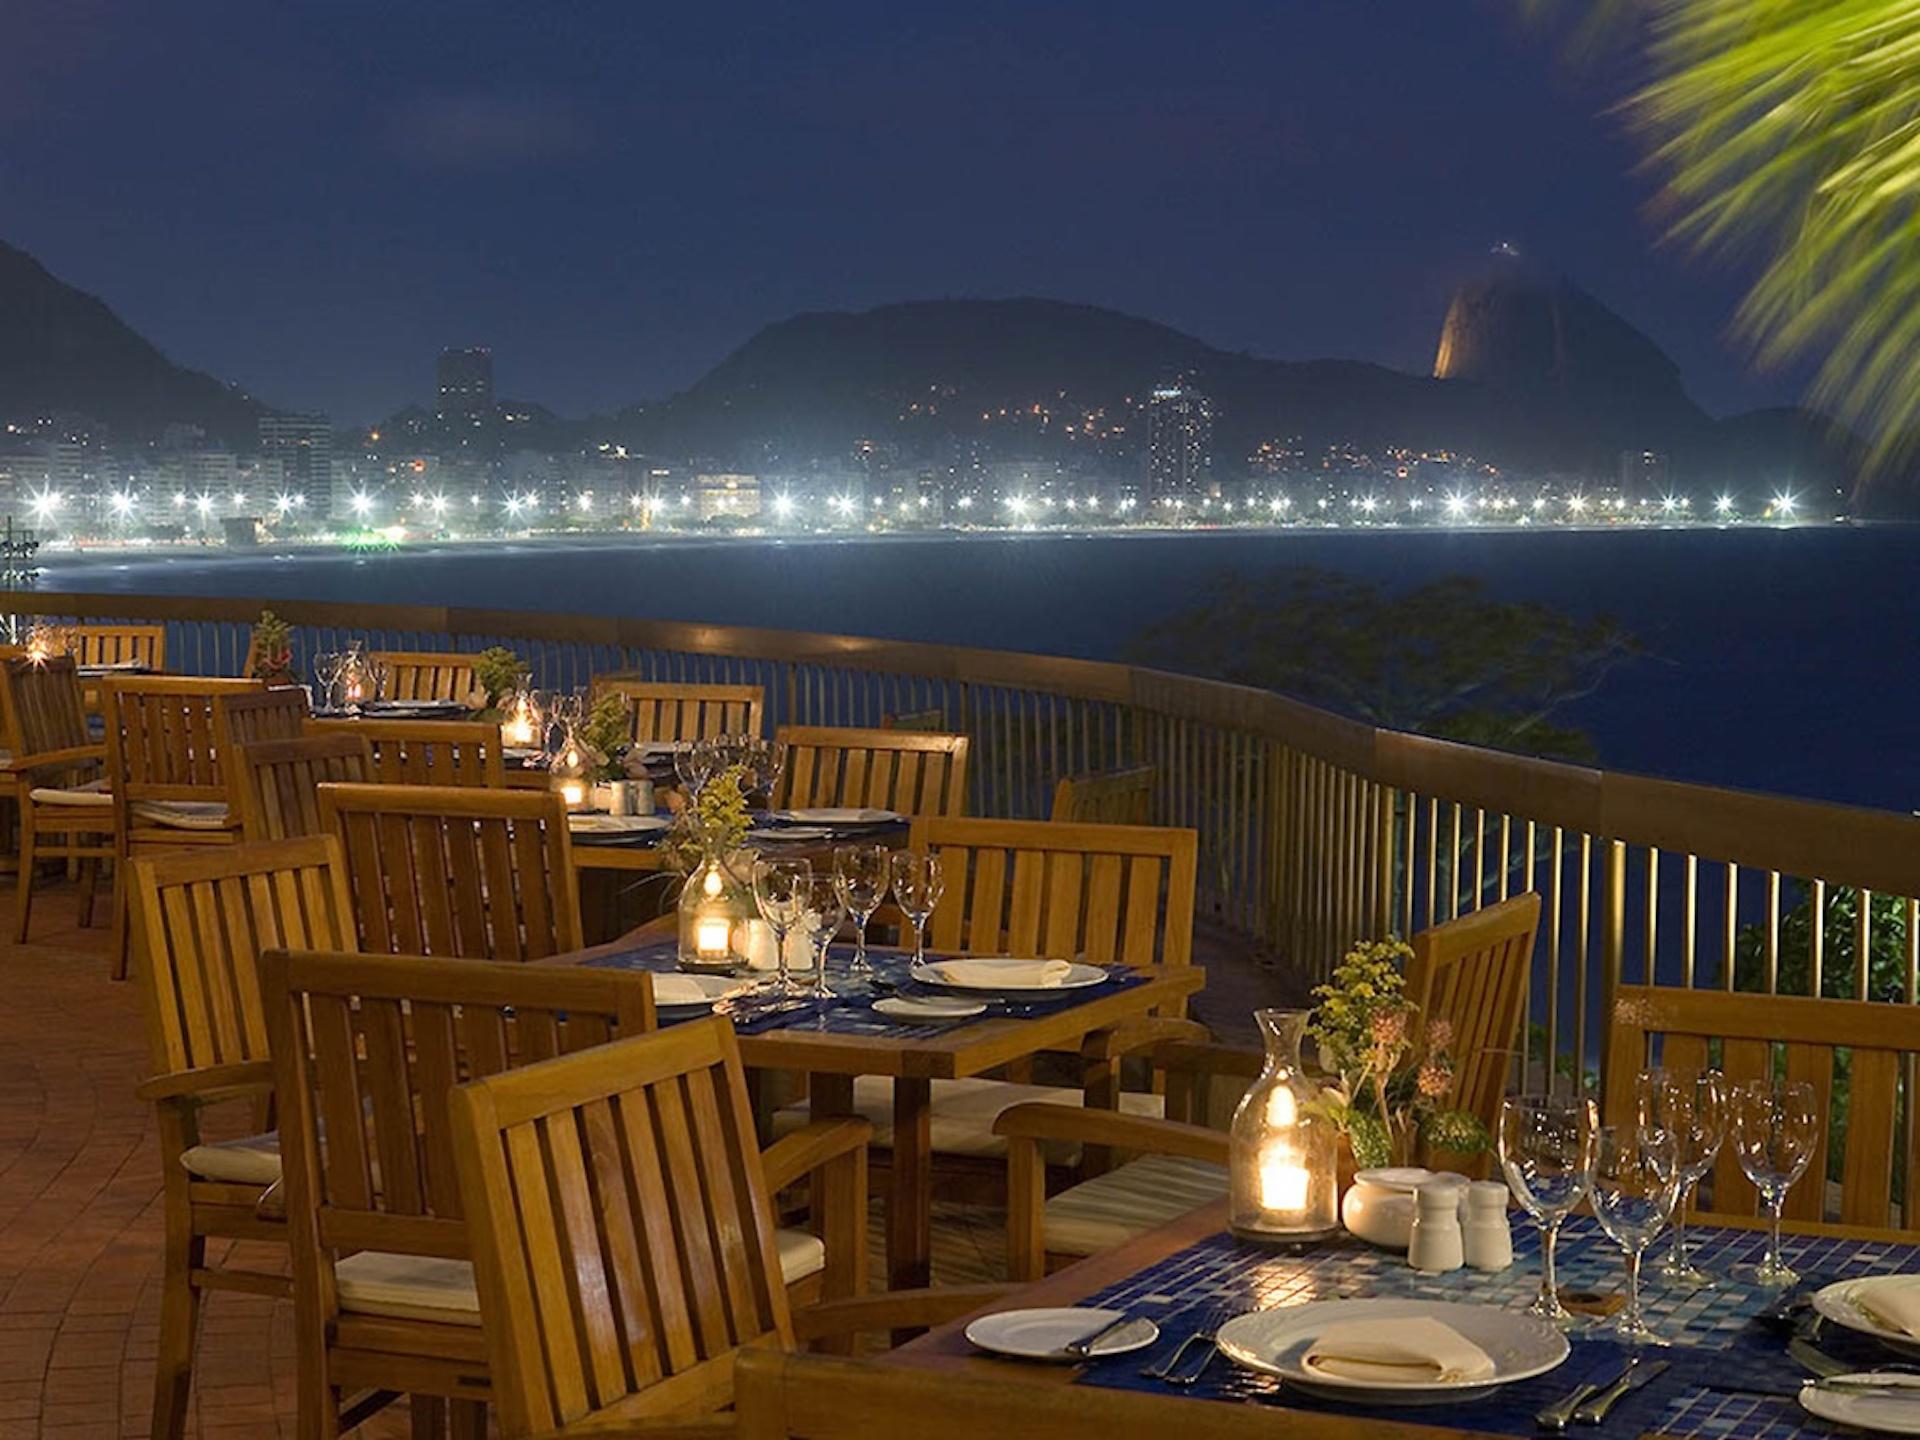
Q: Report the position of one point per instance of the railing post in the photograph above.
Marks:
(1613, 921)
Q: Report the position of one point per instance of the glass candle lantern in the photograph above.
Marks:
(1283, 1153)
(523, 727)
(717, 915)
(571, 773)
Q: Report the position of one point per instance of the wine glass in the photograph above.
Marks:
(327, 666)
(917, 884)
(693, 762)
(862, 873)
(1693, 1109)
(1546, 1150)
(1775, 1128)
(821, 913)
(764, 760)
(1636, 1179)
(779, 889)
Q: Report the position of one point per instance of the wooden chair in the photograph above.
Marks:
(624, 1237)
(132, 645)
(430, 675)
(164, 772)
(1116, 797)
(204, 917)
(55, 769)
(439, 870)
(428, 752)
(663, 711)
(915, 773)
(277, 714)
(276, 783)
(1470, 972)
(1866, 1046)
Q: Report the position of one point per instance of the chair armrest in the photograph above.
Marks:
(895, 1310)
(1037, 1120)
(613, 1426)
(1135, 1035)
(73, 755)
(811, 1146)
(209, 1084)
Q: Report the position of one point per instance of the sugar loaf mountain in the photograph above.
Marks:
(1531, 373)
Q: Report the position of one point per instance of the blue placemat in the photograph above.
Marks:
(1729, 1377)
(850, 1011)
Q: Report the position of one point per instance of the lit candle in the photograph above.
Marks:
(1283, 1179)
(573, 792)
(710, 937)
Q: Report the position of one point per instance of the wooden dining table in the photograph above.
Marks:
(1729, 1373)
(913, 1056)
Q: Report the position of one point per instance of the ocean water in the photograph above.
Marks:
(1781, 660)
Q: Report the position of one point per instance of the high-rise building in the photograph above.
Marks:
(301, 446)
(466, 381)
(1179, 442)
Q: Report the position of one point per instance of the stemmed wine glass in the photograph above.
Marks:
(779, 889)
(1693, 1109)
(1775, 1128)
(862, 873)
(1636, 1178)
(917, 884)
(822, 910)
(327, 667)
(764, 760)
(694, 762)
(1546, 1150)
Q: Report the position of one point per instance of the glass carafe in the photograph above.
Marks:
(1284, 1150)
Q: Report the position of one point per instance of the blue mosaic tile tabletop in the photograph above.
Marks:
(1728, 1378)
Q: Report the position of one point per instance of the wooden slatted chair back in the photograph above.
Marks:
(623, 1235)
(205, 916)
(40, 706)
(428, 752)
(277, 714)
(1865, 1047)
(1472, 973)
(913, 772)
(664, 711)
(276, 783)
(1099, 893)
(1115, 797)
(163, 737)
(439, 870)
(430, 675)
(144, 645)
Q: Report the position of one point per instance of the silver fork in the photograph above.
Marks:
(1165, 1369)
(1192, 1377)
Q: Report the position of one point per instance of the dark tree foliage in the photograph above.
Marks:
(1442, 659)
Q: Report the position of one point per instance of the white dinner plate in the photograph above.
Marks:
(839, 815)
(1275, 1341)
(712, 988)
(1840, 1303)
(1044, 1334)
(788, 834)
(591, 823)
(1889, 1414)
(1079, 977)
(931, 1007)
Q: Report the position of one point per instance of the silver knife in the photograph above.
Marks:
(1639, 1372)
(1082, 1348)
(1556, 1415)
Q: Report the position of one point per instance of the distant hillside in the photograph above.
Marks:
(64, 351)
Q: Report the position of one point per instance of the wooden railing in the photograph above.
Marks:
(1315, 830)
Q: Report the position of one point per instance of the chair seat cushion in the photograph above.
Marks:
(251, 1160)
(182, 814)
(93, 792)
(1130, 1199)
(422, 1287)
(964, 1112)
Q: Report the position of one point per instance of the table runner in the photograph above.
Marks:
(1729, 1375)
(851, 1010)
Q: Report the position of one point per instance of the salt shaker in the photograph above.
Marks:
(640, 798)
(619, 797)
(1489, 1239)
(1436, 1244)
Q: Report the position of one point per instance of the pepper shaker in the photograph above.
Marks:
(1488, 1237)
(1436, 1244)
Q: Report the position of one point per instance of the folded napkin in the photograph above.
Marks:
(1414, 1351)
(1894, 1305)
(677, 990)
(1017, 974)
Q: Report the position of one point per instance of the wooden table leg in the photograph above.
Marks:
(910, 1206)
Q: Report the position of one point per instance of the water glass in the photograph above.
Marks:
(821, 913)
(1546, 1150)
(1692, 1107)
(1775, 1128)
(917, 884)
(1635, 1183)
(862, 873)
(779, 890)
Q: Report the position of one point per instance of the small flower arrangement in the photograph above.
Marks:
(606, 734)
(714, 824)
(272, 647)
(496, 670)
(1394, 1070)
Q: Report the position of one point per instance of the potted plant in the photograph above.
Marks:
(270, 656)
(497, 672)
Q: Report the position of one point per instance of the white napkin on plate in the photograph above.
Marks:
(1896, 1306)
(1417, 1350)
(678, 990)
(1017, 974)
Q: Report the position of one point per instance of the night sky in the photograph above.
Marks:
(312, 198)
